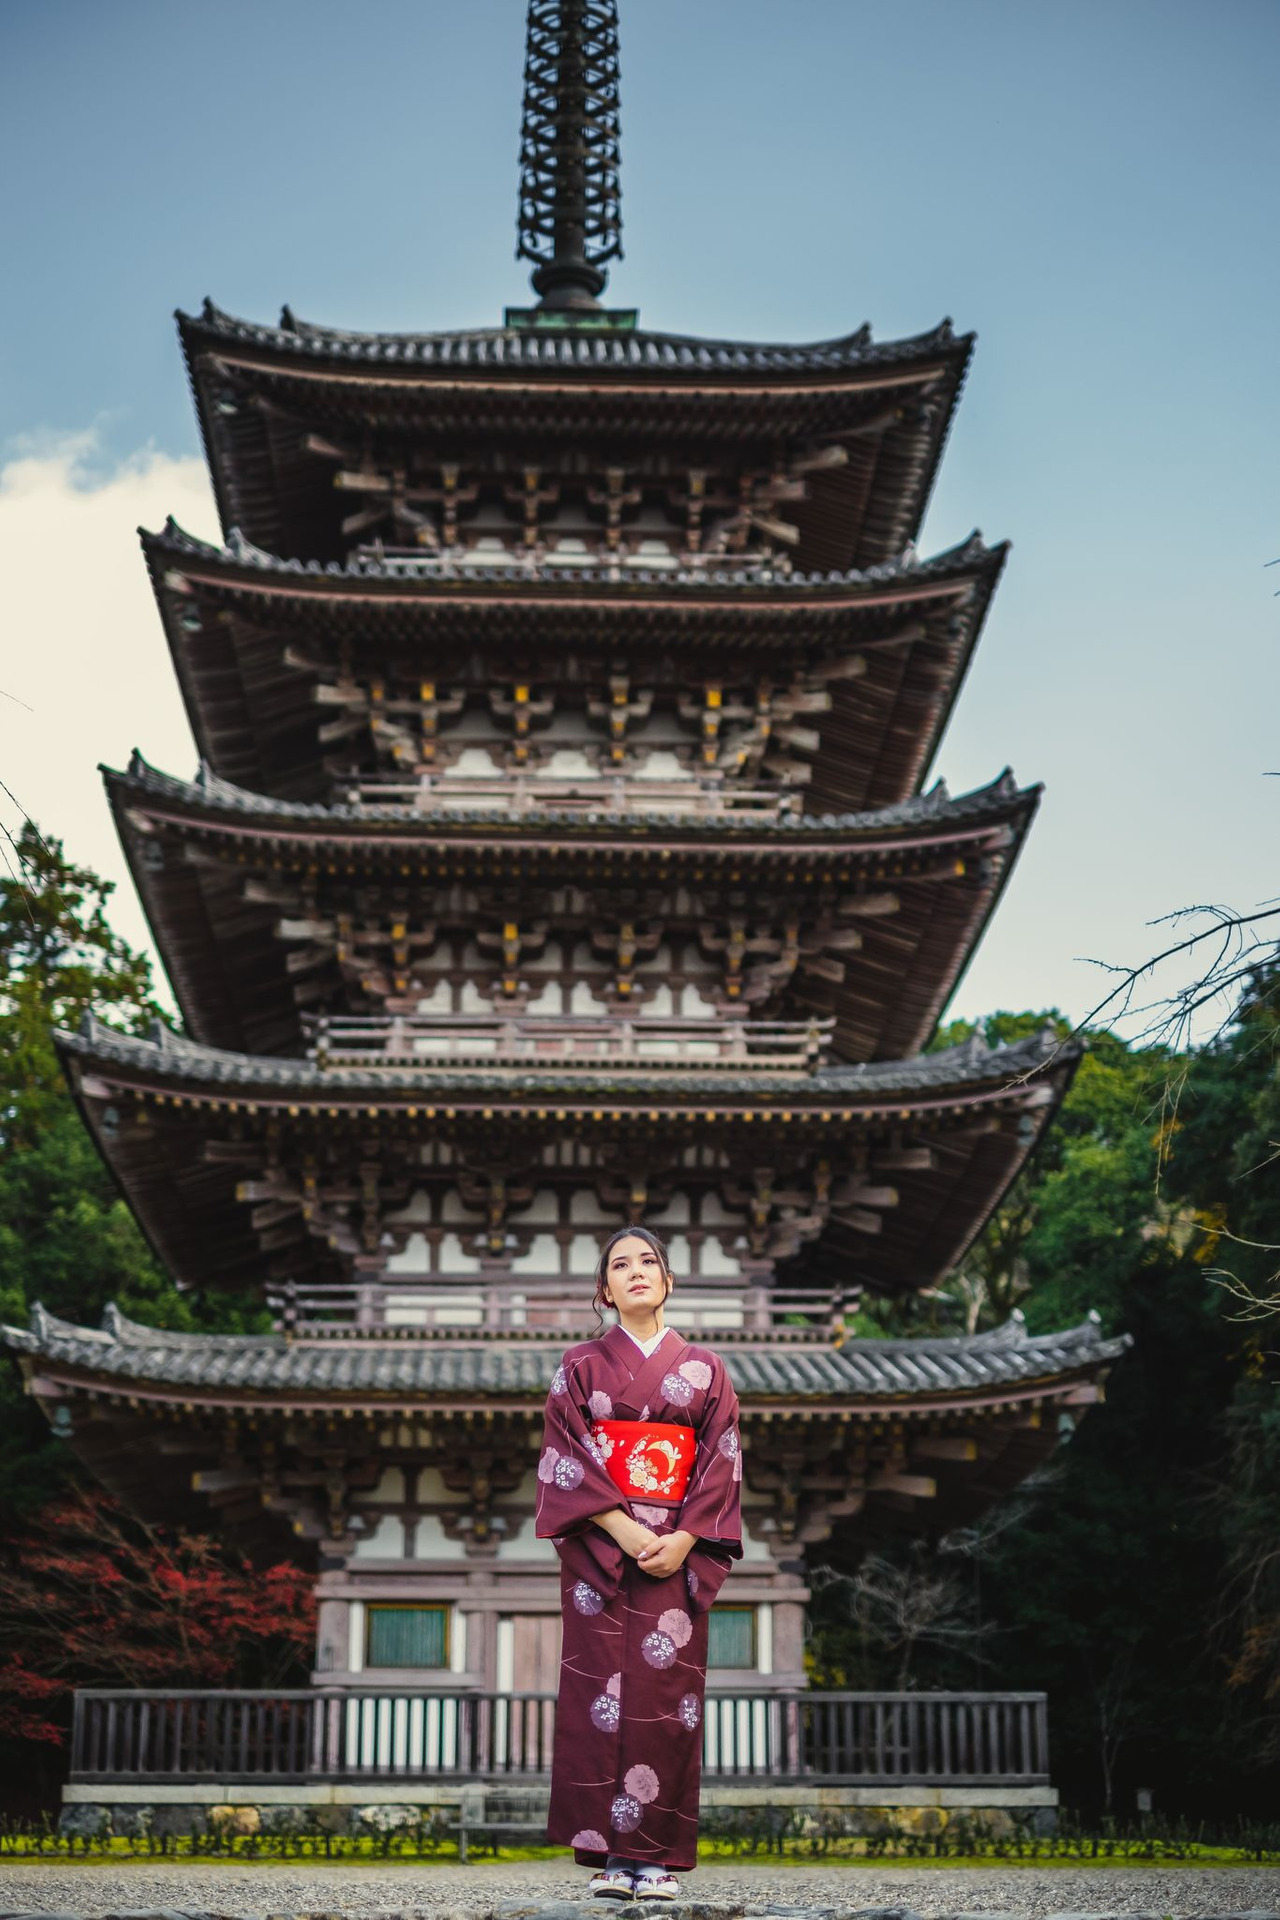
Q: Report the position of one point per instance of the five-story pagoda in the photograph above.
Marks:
(558, 857)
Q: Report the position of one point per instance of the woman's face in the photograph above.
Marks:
(634, 1276)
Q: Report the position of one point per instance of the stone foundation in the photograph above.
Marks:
(521, 1812)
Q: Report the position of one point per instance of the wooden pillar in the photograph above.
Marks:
(788, 1641)
(333, 1627)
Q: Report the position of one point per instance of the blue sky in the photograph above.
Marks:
(1090, 187)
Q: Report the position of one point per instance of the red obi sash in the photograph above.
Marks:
(647, 1459)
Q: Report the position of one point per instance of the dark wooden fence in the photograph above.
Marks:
(385, 1733)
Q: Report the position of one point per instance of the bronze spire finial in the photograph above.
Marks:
(570, 218)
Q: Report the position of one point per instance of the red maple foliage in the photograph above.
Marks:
(90, 1596)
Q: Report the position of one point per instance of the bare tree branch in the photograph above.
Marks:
(903, 1607)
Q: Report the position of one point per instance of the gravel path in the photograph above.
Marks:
(453, 1892)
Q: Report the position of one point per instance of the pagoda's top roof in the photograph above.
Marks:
(970, 1068)
(599, 350)
(253, 1366)
(610, 398)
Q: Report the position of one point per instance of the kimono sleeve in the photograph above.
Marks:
(712, 1505)
(573, 1484)
(711, 1509)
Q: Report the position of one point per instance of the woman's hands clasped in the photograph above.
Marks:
(658, 1554)
(667, 1554)
(633, 1538)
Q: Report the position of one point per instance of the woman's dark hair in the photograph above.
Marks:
(599, 1302)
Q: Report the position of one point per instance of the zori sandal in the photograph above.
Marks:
(612, 1883)
(655, 1883)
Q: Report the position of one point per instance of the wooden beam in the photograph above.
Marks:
(851, 666)
(854, 1192)
(223, 1479)
(868, 906)
(313, 443)
(904, 1160)
(916, 1486)
(821, 968)
(859, 1218)
(944, 1446)
(799, 739)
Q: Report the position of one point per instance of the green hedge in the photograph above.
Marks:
(793, 1833)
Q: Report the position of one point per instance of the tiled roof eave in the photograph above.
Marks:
(955, 1076)
(240, 565)
(132, 1361)
(517, 354)
(936, 814)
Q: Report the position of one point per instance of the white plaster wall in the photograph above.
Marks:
(418, 1210)
(754, 1550)
(390, 1488)
(543, 1256)
(524, 1544)
(416, 1257)
(431, 1542)
(432, 1491)
(386, 1542)
(454, 1258)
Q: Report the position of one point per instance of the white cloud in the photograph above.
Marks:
(81, 646)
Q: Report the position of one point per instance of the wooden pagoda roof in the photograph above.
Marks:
(192, 847)
(154, 1104)
(270, 1369)
(261, 390)
(649, 833)
(934, 1430)
(231, 612)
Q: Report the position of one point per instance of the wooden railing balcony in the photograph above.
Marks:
(589, 555)
(722, 1306)
(408, 1040)
(370, 1733)
(520, 792)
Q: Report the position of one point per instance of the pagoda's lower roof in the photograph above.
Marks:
(232, 613)
(262, 391)
(430, 581)
(654, 832)
(234, 1368)
(196, 1137)
(210, 860)
(957, 1075)
(270, 1433)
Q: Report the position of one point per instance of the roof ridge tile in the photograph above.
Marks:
(933, 806)
(266, 1363)
(237, 550)
(174, 1053)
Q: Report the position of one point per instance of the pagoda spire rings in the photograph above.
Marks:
(570, 218)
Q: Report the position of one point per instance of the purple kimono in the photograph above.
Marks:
(628, 1746)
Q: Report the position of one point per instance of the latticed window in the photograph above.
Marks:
(407, 1637)
(731, 1640)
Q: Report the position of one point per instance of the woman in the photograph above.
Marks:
(638, 1488)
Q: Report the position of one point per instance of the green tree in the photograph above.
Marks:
(67, 1238)
(1123, 1589)
(1224, 1157)
(1137, 1580)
